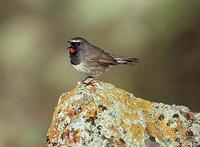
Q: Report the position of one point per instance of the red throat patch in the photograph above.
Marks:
(72, 50)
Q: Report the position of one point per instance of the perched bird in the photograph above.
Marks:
(92, 60)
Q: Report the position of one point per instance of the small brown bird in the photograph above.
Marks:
(92, 60)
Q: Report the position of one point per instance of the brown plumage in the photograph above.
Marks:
(92, 60)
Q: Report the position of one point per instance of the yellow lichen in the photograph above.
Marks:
(132, 116)
(147, 115)
(120, 121)
(91, 113)
(105, 100)
(123, 125)
(120, 95)
(129, 101)
(144, 105)
(166, 130)
(126, 97)
(91, 104)
(137, 131)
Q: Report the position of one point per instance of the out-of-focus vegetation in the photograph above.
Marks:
(34, 67)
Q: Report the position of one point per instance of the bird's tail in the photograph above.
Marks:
(126, 60)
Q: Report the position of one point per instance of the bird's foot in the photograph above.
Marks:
(89, 81)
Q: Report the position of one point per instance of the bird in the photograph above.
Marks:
(92, 60)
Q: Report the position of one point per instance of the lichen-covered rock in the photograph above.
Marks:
(102, 115)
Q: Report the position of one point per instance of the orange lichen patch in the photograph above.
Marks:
(93, 89)
(144, 105)
(137, 132)
(182, 130)
(70, 112)
(71, 136)
(76, 131)
(190, 115)
(77, 138)
(81, 106)
(91, 113)
(69, 141)
(53, 133)
(133, 116)
(166, 130)
(105, 100)
(153, 130)
(66, 133)
(76, 135)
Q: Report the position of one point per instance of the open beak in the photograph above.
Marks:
(69, 43)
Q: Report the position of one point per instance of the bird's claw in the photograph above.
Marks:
(88, 81)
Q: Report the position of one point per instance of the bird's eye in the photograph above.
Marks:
(75, 44)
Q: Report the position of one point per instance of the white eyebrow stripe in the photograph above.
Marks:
(75, 40)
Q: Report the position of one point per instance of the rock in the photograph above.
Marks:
(103, 115)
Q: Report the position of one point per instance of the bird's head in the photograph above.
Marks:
(77, 42)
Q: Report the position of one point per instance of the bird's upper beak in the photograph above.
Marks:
(69, 41)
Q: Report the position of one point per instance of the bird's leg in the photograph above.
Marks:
(90, 82)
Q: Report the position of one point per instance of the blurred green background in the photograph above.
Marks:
(34, 63)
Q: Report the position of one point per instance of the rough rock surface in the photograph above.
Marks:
(103, 115)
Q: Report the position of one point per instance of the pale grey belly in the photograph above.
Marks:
(92, 70)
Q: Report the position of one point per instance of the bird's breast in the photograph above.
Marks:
(82, 67)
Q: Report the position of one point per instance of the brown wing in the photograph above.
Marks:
(101, 57)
